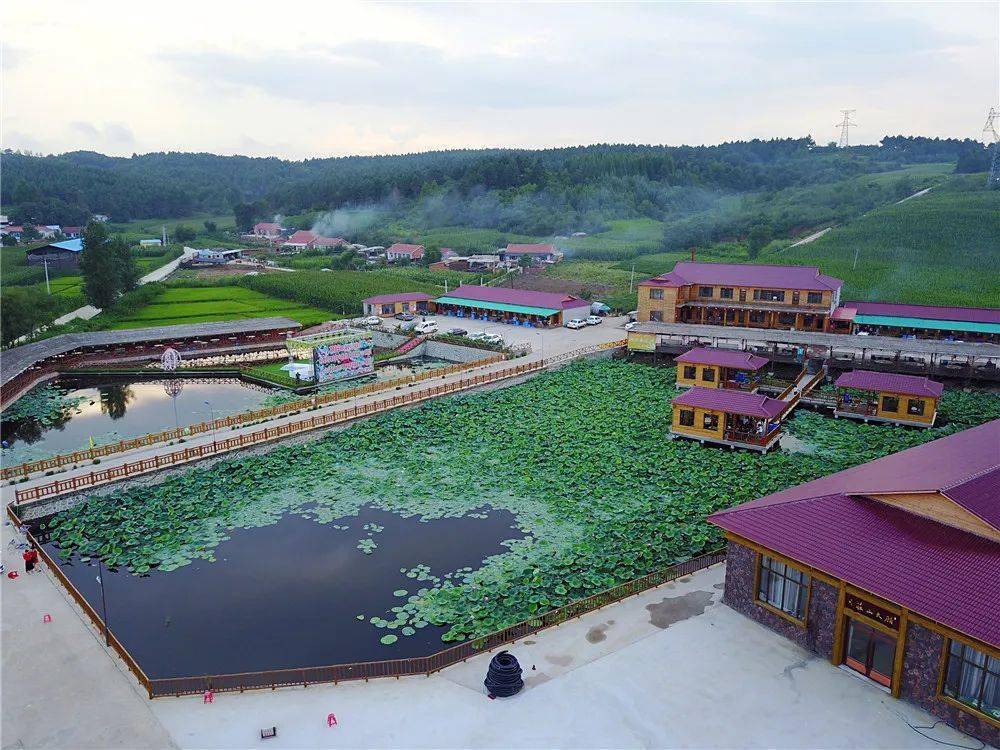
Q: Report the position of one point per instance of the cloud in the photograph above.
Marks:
(400, 74)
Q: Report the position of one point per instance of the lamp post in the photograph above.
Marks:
(104, 602)
(211, 412)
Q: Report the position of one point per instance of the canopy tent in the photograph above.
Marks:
(938, 325)
(498, 306)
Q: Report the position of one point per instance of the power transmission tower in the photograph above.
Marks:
(845, 125)
(992, 139)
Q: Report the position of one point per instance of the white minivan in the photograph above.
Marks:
(576, 323)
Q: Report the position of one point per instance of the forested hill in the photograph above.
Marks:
(517, 190)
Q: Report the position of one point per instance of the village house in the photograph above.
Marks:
(888, 397)
(305, 239)
(728, 417)
(65, 254)
(719, 368)
(402, 251)
(754, 296)
(546, 253)
(387, 305)
(891, 570)
(267, 229)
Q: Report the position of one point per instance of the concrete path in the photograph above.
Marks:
(546, 343)
(60, 688)
(811, 238)
(915, 195)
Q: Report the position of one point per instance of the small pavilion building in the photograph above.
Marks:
(891, 570)
(887, 397)
(387, 305)
(720, 368)
(728, 417)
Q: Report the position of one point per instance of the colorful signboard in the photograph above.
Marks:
(641, 342)
(343, 361)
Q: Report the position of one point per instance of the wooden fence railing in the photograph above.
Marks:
(243, 418)
(216, 447)
(427, 665)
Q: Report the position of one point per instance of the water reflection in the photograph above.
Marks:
(115, 399)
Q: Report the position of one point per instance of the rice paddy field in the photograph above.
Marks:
(568, 483)
(176, 305)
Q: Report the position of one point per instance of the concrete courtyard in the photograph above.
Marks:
(670, 668)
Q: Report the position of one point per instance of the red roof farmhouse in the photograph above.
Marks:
(538, 253)
(403, 251)
(890, 569)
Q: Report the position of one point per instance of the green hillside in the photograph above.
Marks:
(942, 248)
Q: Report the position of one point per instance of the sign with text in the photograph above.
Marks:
(871, 611)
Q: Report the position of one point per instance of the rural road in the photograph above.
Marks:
(88, 311)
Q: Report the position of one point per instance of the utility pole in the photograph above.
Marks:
(992, 139)
(845, 125)
(163, 235)
(45, 262)
(631, 279)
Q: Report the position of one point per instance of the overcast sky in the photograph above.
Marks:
(305, 79)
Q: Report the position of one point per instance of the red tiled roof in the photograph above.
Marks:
(531, 249)
(732, 402)
(301, 237)
(979, 495)
(930, 312)
(523, 297)
(387, 299)
(723, 358)
(938, 571)
(266, 226)
(737, 274)
(910, 385)
(844, 313)
(329, 241)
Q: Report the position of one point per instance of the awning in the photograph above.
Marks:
(937, 325)
(499, 306)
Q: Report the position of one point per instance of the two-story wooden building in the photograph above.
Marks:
(891, 570)
(751, 296)
(720, 368)
(887, 397)
(728, 417)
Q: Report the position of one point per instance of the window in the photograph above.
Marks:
(690, 372)
(783, 587)
(756, 316)
(705, 291)
(726, 292)
(890, 403)
(708, 374)
(656, 294)
(795, 297)
(711, 422)
(656, 316)
(743, 295)
(972, 677)
(769, 295)
(815, 298)
(915, 406)
(686, 418)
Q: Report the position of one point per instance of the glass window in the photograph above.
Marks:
(973, 677)
(783, 587)
(890, 403)
(915, 406)
(705, 291)
(726, 292)
(769, 295)
(815, 298)
(687, 418)
(756, 317)
(690, 372)
(656, 316)
(656, 294)
(708, 374)
(711, 422)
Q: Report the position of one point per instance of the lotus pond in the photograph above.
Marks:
(578, 460)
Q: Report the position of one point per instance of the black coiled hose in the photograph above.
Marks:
(503, 678)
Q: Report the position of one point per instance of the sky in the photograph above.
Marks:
(314, 79)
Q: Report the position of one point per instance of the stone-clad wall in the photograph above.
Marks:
(921, 665)
(818, 634)
(922, 656)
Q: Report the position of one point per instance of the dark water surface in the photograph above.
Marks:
(288, 595)
(118, 408)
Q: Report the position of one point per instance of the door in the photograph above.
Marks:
(870, 652)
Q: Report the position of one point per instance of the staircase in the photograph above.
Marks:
(804, 382)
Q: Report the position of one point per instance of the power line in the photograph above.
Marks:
(992, 139)
(845, 125)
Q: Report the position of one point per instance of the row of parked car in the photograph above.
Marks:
(430, 327)
(591, 320)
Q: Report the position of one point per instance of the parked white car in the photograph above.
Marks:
(426, 327)
(492, 338)
(576, 323)
(630, 325)
(593, 320)
(372, 320)
(477, 336)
